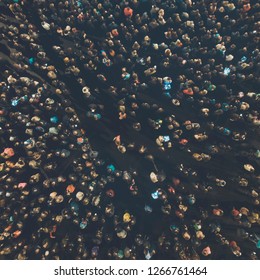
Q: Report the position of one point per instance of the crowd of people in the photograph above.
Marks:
(129, 129)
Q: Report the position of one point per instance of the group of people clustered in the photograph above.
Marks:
(175, 84)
